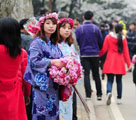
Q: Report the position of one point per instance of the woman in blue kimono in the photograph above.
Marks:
(43, 53)
(66, 45)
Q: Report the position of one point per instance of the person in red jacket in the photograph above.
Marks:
(116, 46)
(13, 61)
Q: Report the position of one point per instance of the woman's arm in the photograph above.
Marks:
(126, 53)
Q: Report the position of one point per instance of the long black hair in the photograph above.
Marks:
(10, 36)
(118, 30)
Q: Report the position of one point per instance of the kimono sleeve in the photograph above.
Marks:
(76, 53)
(38, 64)
(37, 61)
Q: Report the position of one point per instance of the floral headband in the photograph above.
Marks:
(69, 20)
(50, 15)
(33, 26)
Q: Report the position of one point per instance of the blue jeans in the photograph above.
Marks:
(119, 84)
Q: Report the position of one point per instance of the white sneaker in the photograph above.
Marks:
(119, 101)
(87, 98)
(109, 99)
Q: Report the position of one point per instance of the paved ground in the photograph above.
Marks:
(99, 109)
(81, 113)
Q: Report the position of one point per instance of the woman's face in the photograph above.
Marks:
(49, 27)
(65, 31)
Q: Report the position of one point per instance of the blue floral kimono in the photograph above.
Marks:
(65, 108)
(45, 92)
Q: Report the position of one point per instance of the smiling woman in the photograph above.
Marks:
(43, 53)
(65, 39)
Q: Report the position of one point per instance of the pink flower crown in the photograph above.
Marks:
(50, 15)
(34, 26)
(69, 20)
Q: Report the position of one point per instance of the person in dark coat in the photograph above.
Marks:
(26, 41)
(90, 40)
(131, 38)
(26, 38)
(134, 70)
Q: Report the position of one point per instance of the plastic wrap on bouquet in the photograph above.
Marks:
(32, 26)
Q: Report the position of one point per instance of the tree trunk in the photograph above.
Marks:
(17, 9)
(54, 5)
(43, 3)
(50, 5)
(73, 2)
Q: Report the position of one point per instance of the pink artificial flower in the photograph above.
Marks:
(134, 59)
(34, 28)
(52, 15)
(56, 80)
(73, 54)
(41, 20)
(69, 20)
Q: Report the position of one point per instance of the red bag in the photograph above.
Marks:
(65, 92)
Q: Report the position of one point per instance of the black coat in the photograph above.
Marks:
(134, 75)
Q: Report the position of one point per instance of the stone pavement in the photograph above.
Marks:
(124, 111)
(81, 113)
(99, 109)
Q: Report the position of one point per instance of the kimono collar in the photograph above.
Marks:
(48, 39)
(64, 42)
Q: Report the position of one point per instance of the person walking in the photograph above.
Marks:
(43, 53)
(90, 41)
(131, 38)
(115, 44)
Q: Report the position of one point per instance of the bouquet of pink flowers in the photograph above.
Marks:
(68, 75)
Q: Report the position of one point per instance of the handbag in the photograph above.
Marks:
(65, 92)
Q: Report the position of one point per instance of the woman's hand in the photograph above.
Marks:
(27, 100)
(129, 68)
(58, 63)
